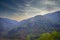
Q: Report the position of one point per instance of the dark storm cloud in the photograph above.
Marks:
(9, 7)
(27, 7)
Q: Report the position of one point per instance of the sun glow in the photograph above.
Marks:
(42, 12)
(26, 16)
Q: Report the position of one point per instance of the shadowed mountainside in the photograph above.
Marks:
(37, 25)
(32, 26)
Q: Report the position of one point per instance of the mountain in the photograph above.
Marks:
(37, 25)
(7, 25)
(54, 18)
(32, 26)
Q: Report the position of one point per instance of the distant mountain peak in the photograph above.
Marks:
(57, 12)
(5, 19)
(7, 24)
(38, 16)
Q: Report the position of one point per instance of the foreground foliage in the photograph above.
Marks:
(45, 36)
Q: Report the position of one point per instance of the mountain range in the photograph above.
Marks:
(32, 26)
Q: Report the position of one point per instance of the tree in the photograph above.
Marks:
(45, 36)
(50, 36)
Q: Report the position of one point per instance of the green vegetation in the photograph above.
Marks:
(45, 36)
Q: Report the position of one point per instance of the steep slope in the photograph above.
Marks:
(6, 25)
(37, 25)
(54, 18)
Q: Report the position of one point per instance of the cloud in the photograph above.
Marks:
(41, 7)
(27, 8)
(12, 6)
(46, 4)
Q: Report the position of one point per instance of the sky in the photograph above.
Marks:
(23, 9)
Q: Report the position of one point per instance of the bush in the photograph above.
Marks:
(46, 36)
